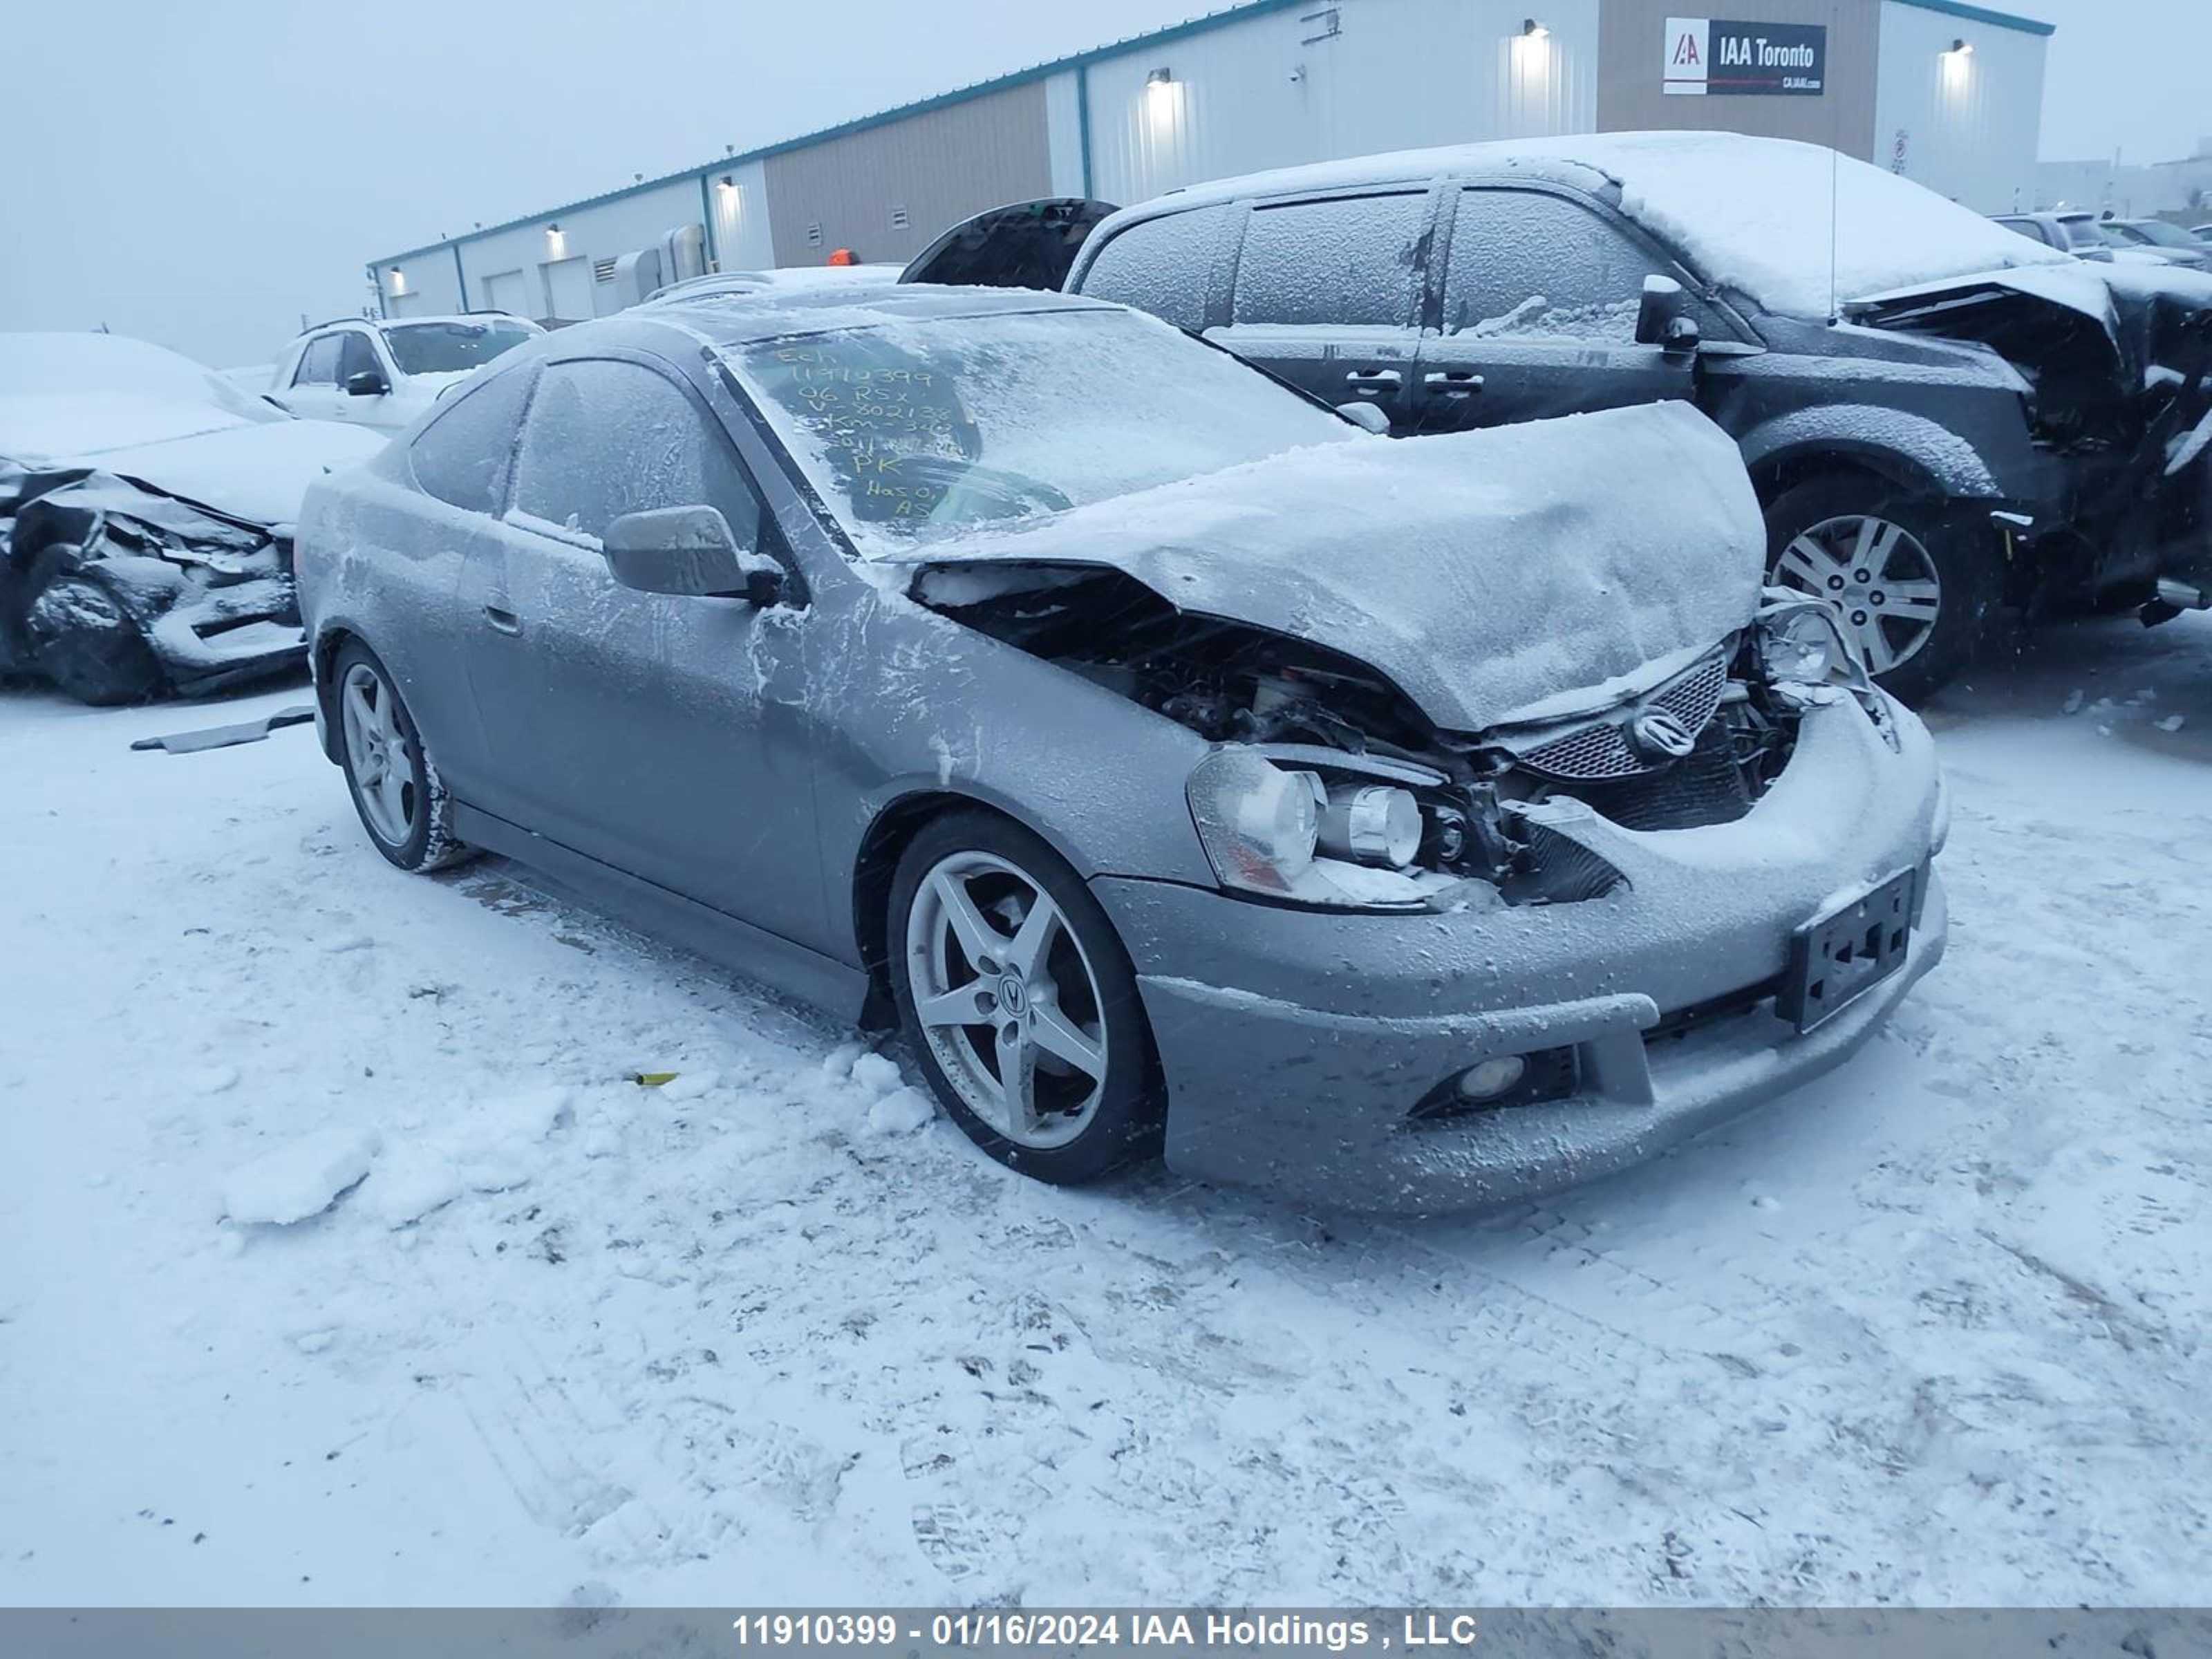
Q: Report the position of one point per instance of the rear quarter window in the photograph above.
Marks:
(463, 457)
(1162, 265)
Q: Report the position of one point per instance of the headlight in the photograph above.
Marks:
(1803, 642)
(1279, 832)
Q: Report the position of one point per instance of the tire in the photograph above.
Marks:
(1076, 1121)
(389, 772)
(1918, 555)
(82, 639)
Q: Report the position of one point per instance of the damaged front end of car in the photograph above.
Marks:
(1328, 788)
(2118, 366)
(118, 592)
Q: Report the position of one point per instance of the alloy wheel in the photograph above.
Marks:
(1879, 576)
(376, 754)
(1007, 999)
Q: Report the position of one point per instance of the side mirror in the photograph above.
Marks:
(1371, 416)
(1664, 318)
(689, 550)
(365, 383)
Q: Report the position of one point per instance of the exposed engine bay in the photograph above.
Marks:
(1698, 747)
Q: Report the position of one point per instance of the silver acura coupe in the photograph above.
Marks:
(1186, 770)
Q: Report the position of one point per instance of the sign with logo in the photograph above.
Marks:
(1711, 54)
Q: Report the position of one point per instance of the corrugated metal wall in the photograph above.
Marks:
(1338, 80)
(887, 192)
(1963, 123)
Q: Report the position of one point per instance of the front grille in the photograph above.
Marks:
(1707, 786)
(1603, 751)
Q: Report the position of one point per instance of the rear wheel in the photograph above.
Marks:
(1014, 991)
(82, 639)
(394, 785)
(1916, 587)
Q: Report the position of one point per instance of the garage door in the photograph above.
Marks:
(509, 290)
(568, 285)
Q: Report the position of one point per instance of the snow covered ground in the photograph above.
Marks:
(1930, 1331)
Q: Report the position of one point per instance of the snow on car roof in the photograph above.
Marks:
(66, 396)
(736, 318)
(1765, 216)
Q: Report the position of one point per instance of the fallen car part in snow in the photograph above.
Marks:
(229, 737)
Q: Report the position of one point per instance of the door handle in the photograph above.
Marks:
(1374, 380)
(505, 621)
(1452, 382)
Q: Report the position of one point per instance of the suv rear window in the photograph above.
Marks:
(1351, 260)
(1162, 265)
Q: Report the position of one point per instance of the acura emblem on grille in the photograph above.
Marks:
(1659, 734)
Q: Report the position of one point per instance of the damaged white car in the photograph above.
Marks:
(146, 513)
(1186, 769)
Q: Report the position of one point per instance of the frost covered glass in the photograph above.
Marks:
(1162, 265)
(1523, 262)
(607, 438)
(913, 428)
(461, 457)
(1352, 260)
(450, 348)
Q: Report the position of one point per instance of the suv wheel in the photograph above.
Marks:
(1916, 587)
(1021, 1002)
(394, 786)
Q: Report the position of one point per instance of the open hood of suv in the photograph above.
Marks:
(1483, 574)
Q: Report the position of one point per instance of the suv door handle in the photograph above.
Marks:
(1452, 382)
(1374, 380)
(505, 621)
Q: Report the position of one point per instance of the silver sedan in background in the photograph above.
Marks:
(1185, 769)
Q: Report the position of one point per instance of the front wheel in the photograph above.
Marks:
(1014, 991)
(83, 640)
(1916, 587)
(394, 786)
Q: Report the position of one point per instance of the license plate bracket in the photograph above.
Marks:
(1842, 953)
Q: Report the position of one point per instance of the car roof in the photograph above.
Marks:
(742, 316)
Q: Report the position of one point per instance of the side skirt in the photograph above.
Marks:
(835, 988)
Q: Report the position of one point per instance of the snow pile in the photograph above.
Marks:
(490, 1146)
(301, 1179)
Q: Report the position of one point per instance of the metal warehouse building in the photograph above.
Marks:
(1946, 94)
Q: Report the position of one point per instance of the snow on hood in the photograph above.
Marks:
(254, 472)
(1482, 573)
(50, 428)
(1762, 216)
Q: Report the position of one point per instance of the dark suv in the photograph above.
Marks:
(1939, 416)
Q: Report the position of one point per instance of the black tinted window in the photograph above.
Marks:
(318, 363)
(1352, 260)
(356, 357)
(450, 348)
(607, 438)
(1526, 263)
(462, 456)
(1162, 265)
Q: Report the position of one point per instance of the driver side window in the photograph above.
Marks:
(605, 438)
(1526, 263)
(318, 363)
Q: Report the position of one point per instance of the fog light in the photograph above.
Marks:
(1486, 1079)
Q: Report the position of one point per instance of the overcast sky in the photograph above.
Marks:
(200, 174)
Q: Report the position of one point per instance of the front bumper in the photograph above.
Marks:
(1296, 1043)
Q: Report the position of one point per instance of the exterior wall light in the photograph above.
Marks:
(556, 243)
(398, 282)
(1961, 48)
(1533, 30)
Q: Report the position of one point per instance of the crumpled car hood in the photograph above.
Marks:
(257, 472)
(1482, 573)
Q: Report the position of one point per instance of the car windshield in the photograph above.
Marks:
(2083, 232)
(910, 430)
(450, 347)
